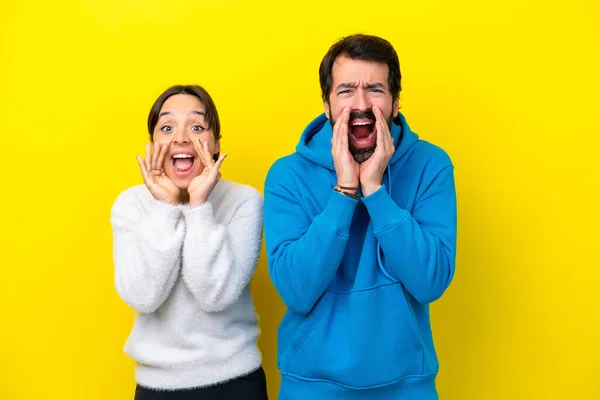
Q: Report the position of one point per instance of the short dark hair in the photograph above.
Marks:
(211, 117)
(366, 48)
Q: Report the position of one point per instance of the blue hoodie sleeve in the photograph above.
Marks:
(420, 249)
(303, 255)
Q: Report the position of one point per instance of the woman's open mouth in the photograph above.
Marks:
(182, 164)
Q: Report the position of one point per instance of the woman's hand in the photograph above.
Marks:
(158, 183)
(202, 186)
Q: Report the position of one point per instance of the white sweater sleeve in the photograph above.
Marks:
(219, 260)
(147, 243)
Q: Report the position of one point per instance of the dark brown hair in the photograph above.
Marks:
(366, 48)
(212, 116)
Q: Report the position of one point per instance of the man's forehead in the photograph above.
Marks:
(359, 71)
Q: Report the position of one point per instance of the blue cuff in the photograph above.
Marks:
(338, 213)
(384, 212)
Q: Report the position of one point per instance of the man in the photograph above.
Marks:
(360, 230)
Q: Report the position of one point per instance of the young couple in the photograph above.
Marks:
(360, 231)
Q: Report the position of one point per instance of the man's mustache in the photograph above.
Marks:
(362, 115)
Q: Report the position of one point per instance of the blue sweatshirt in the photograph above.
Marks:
(357, 276)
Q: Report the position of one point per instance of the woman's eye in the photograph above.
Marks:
(198, 128)
(166, 128)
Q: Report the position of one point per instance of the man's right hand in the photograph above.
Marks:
(346, 169)
(158, 183)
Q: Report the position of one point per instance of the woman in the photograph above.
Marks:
(186, 245)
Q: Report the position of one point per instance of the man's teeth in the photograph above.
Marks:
(182, 156)
(361, 123)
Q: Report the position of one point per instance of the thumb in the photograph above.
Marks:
(217, 166)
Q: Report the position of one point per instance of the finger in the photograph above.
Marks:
(142, 168)
(208, 156)
(334, 139)
(147, 160)
(155, 155)
(387, 141)
(219, 162)
(338, 123)
(344, 128)
(381, 139)
(199, 150)
(197, 145)
(384, 123)
(202, 154)
(161, 156)
(214, 172)
(341, 131)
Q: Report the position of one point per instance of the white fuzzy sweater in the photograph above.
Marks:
(186, 272)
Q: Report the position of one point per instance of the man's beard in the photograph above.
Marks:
(362, 154)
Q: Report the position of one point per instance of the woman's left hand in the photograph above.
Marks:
(202, 186)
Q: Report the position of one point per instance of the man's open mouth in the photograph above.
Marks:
(361, 129)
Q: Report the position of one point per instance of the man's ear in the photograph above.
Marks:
(395, 107)
(327, 109)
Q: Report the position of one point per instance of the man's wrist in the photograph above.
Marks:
(347, 188)
(370, 188)
(348, 191)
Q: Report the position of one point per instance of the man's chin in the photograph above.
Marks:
(362, 154)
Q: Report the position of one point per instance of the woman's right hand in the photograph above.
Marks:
(160, 185)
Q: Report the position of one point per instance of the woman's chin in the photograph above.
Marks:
(183, 186)
(181, 183)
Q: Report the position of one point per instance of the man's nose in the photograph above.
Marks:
(361, 101)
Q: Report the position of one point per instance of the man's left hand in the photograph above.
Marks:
(372, 170)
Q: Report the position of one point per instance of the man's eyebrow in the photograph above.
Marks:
(376, 85)
(347, 85)
(354, 85)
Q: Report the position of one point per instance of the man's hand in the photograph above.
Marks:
(202, 186)
(346, 168)
(158, 183)
(372, 170)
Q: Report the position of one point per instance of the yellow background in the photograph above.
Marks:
(510, 89)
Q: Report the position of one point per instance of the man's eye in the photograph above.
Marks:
(166, 128)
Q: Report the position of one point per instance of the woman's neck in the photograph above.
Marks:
(184, 196)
